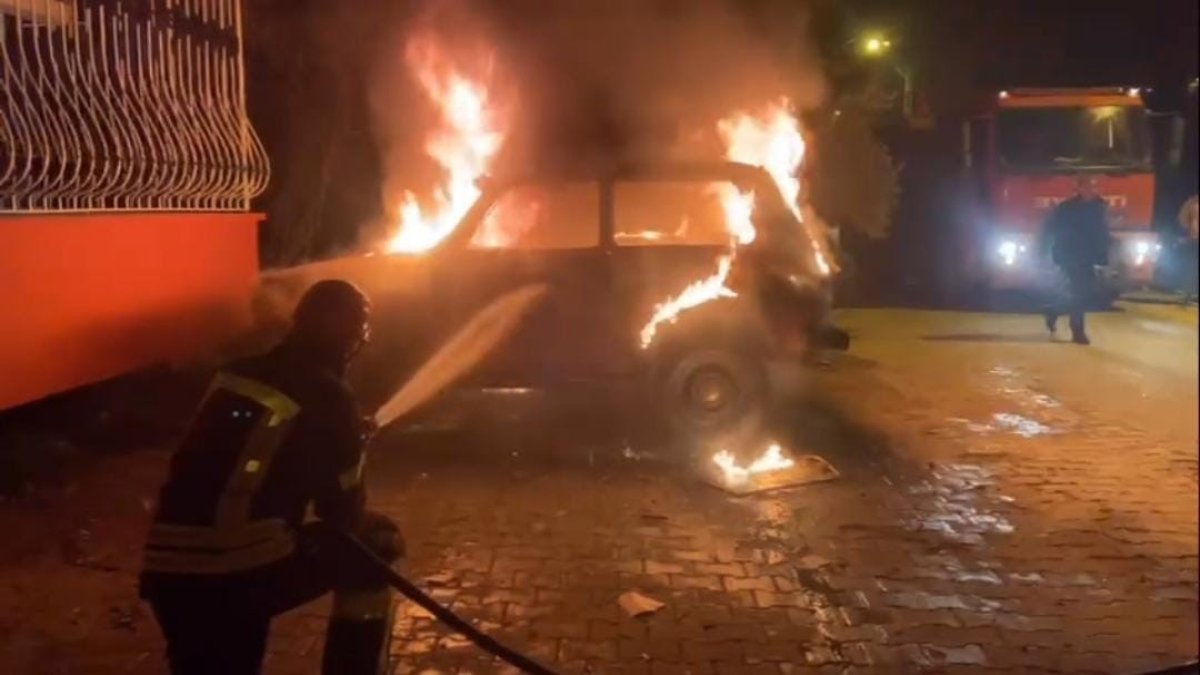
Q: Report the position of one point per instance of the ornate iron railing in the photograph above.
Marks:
(125, 105)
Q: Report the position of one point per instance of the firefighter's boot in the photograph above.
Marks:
(359, 632)
(360, 625)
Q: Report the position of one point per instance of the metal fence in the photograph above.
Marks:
(127, 105)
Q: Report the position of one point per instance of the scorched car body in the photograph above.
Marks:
(612, 241)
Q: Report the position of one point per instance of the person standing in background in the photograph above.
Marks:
(1076, 238)
(1189, 223)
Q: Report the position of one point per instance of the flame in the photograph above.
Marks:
(644, 235)
(772, 459)
(698, 293)
(770, 138)
(738, 207)
(464, 144)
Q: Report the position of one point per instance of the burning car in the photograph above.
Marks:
(672, 285)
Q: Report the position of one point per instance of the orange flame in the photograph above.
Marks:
(771, 139)
(464, 144)
(698, 293)
(739, 210)
(772, 459)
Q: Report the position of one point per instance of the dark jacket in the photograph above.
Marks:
(1076, 234)
(275, 434)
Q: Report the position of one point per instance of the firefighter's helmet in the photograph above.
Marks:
(333, 315)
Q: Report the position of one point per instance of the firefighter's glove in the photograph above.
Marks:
(381, 535)
(369, 428)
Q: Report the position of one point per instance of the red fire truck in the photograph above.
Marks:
(1022, 158)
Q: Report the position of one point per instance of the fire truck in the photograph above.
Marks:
(1022, 157)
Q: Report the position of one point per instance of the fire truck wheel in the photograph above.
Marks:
(713, 397)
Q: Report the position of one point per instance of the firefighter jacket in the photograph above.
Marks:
(273, 435)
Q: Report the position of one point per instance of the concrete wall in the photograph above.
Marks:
(84, 297)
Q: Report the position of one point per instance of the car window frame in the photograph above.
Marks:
(664, 178)
(471, 223)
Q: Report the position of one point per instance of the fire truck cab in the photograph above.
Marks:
(1022, 157)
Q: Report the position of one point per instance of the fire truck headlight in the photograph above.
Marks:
(1143, 250)
(1010, 251)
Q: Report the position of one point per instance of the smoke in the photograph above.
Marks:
(573, 75)
(645, 66)
(421, 52)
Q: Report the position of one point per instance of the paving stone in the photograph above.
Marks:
(727, 569)
(861, 633)
(767, 599)
(1017, 622)
(703, 651)
(819, 655)
(924, 601)
(998, 553)
(665, 568)
(748, 584)
(742, 668)
(711, 583)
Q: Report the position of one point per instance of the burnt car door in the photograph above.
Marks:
(669, 232)
(530, 232)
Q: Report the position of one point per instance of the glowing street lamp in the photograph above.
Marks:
(875, 45)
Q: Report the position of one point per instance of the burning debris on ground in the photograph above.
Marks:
(774, 469)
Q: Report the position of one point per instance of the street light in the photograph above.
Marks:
(874, 45)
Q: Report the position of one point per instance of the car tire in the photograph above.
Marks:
(712, 397)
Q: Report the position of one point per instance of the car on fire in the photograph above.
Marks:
(613, 242)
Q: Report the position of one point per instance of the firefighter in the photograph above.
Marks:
(1189, 250)
(229, 549)
(1077, 240)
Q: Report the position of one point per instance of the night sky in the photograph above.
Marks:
(958, 44)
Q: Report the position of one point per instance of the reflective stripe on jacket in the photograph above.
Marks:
(232, 542)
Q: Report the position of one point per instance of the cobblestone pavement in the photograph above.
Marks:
(1006, 505)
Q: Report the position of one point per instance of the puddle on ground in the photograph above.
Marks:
(957, 509)
(1020, 425)
(1027, 395)
(1013, 386)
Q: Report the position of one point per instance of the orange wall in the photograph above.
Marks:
(84, 297)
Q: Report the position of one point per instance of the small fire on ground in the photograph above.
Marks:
(773, 469)
(771, 460)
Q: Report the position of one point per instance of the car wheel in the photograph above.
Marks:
(713, 398)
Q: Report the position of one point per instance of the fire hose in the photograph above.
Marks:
(443, 614)
(458, 355)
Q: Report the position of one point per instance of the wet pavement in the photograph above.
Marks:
(1005, 504)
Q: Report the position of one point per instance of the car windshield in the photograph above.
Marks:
(1070, 138)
